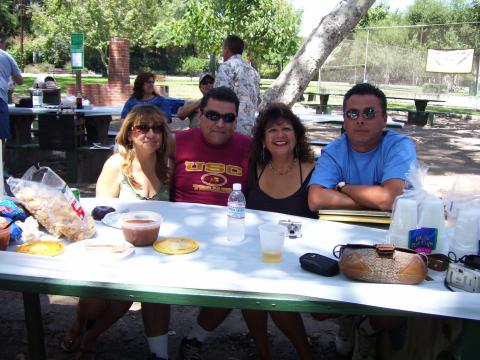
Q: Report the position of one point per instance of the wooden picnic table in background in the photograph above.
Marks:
(420, 115)
(72, 131)
(420, 104)
(324, 97)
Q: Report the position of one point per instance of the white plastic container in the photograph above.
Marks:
(141, 228)
(404, 220)
(466, 229)
(432, 215)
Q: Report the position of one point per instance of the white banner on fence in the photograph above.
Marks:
(450, 61)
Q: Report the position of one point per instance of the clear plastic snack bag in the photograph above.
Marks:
(51, 202)
(418, 217)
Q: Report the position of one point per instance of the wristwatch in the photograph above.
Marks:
(340, 185)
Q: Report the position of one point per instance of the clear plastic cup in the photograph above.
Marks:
(141, 228)
(272, 238)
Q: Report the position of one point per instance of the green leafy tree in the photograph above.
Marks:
(268, 27)
(442, 12)
(55, 20)
(375, 15)
(193, 66)
(8, 17)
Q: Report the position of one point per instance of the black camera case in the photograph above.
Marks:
(319, 264)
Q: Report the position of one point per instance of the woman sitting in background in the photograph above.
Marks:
(139, 170)
(144, 93)
(281, 164)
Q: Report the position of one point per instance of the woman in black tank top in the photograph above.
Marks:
(281, 164)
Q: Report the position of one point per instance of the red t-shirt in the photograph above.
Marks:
(205, 173)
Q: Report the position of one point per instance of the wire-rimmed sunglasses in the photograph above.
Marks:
(354, 114)
(215, 116)
(144, 129)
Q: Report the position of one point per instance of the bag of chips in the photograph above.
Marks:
(51, 202)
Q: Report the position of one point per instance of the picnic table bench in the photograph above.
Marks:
(420, 104)
(323, 106)
(419, 116)
(72, 131)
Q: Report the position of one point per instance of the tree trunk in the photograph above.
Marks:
(294, 79)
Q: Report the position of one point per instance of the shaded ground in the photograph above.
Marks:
(451, 146)
(125, 340)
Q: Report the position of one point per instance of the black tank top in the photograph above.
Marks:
(295, 204)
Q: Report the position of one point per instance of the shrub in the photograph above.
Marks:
(38, 68)
(269, 71)
(193, 66)
(435, 88)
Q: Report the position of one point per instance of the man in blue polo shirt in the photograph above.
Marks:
(366, 168)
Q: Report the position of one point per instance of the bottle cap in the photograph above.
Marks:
(237, 187)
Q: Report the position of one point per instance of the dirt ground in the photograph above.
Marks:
(450, 147)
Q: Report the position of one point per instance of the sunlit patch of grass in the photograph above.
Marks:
(186, 87)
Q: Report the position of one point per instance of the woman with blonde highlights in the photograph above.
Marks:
(139, 170)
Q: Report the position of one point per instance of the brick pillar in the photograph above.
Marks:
(119, 61)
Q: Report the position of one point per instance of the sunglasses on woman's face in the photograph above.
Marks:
(150, 82)
(144, 129)
(215, 116)
(354, 114)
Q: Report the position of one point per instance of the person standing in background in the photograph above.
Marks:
(8, 69)
(243, 79)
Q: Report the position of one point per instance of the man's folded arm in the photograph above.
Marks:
(320, 197)
(378, 197)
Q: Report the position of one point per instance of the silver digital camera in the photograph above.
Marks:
(294, 228)
(463, 277)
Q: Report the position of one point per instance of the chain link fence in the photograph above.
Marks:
(396, 57)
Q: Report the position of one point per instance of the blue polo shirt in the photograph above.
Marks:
(391, 159)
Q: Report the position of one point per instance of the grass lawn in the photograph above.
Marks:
(185, 87)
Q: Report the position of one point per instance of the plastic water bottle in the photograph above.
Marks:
(236, 215)
(37, 97)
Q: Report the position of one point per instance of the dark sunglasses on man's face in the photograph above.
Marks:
(215, 116)
(206, 82)
(354, 114)
(144, 129)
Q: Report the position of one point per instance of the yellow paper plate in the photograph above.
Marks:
(176, 245)
(42, 248)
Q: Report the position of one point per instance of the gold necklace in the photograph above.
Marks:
(282, 172)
